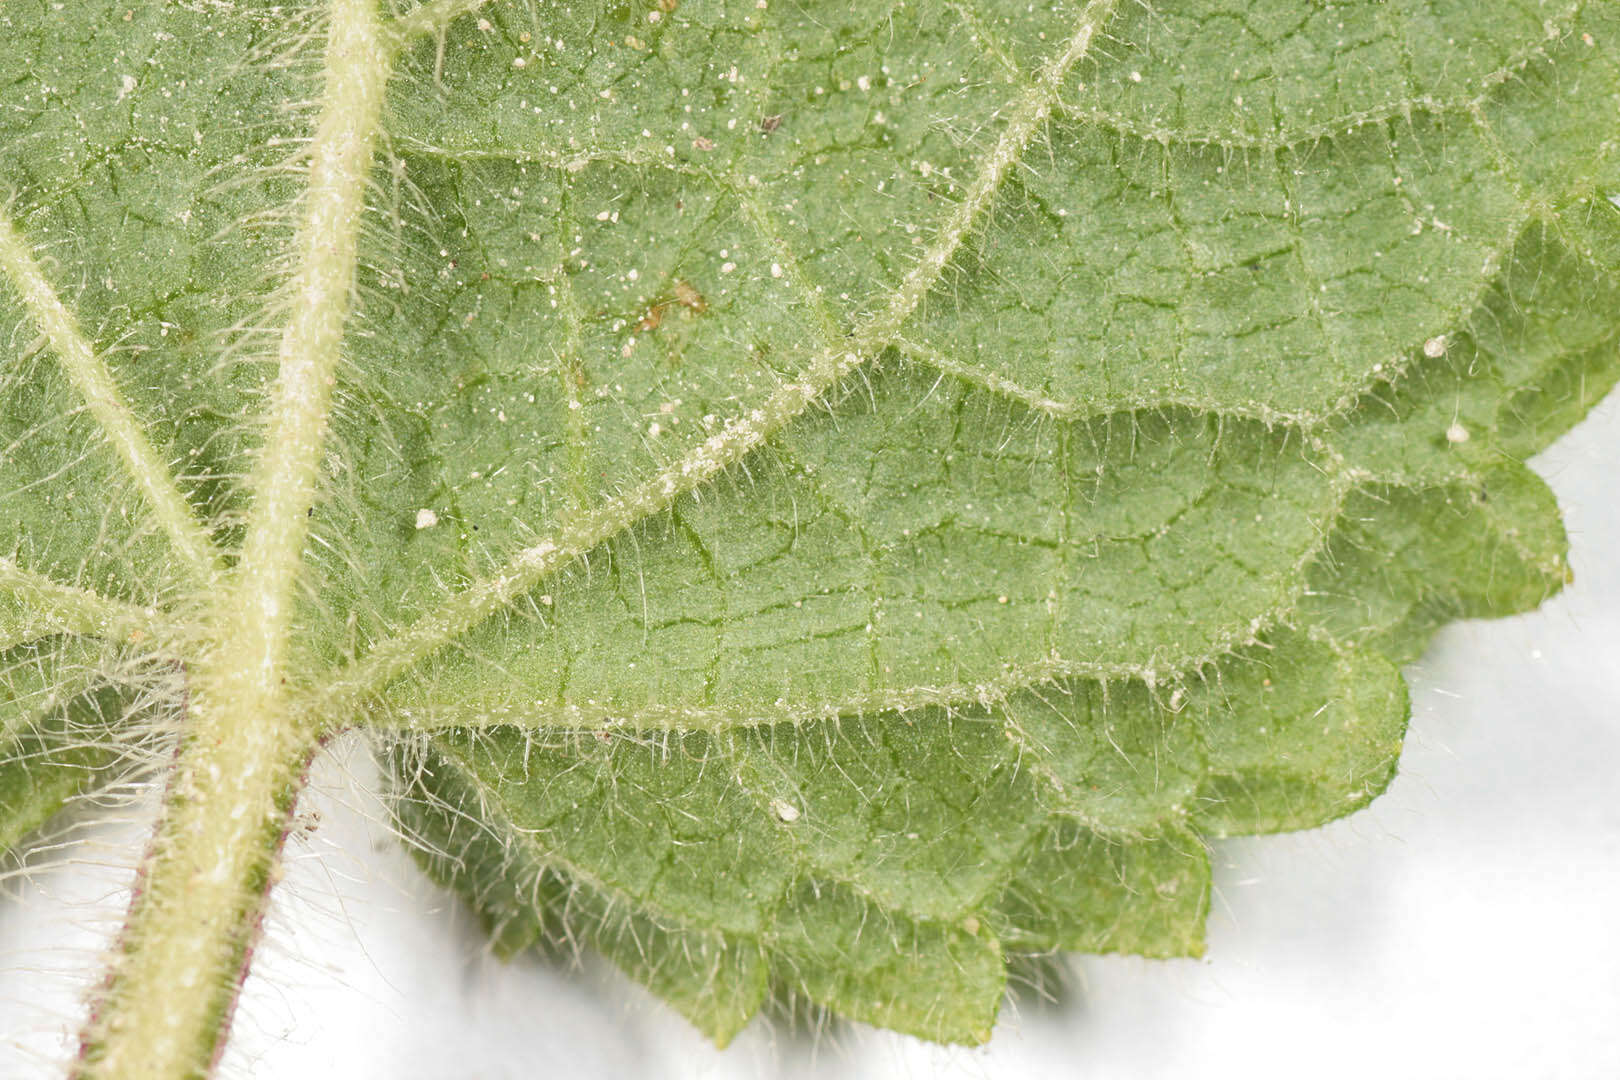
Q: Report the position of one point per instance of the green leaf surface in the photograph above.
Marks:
(59, 730)
(819, 501)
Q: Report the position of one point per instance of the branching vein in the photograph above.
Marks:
(741, 434)
(90, 376)
(431, 18)
(191, 927)
(53, 608)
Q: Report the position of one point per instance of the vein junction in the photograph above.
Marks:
(340, 695)
(248, 731)
(242, 753)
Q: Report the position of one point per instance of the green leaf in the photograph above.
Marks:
(817, 502)
(58, 726)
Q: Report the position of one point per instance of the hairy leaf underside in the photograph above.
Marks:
(822, 499)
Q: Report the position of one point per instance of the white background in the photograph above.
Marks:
(1464, 926)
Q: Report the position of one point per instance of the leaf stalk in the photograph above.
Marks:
(201, 894)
